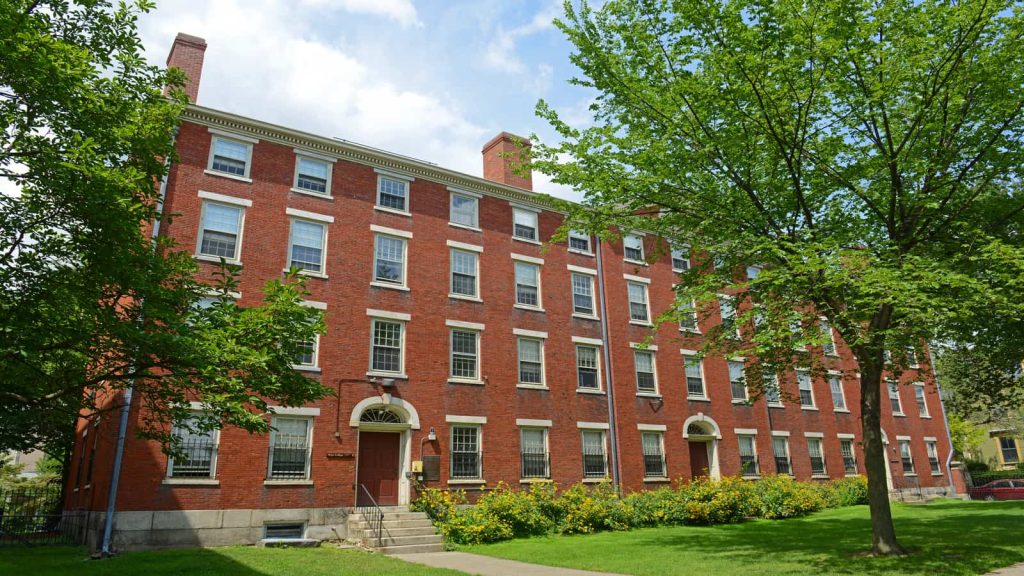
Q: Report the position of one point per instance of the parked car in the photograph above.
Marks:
(1012, 489)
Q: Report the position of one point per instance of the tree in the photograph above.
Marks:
(91, 303)
(866, 156)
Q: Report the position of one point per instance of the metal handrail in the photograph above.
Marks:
(373, 515)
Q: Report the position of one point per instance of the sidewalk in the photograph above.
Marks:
(487, 566)
(1015, 570)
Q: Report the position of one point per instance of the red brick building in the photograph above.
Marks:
(463, 351)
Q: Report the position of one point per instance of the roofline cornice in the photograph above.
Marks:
(360, 154)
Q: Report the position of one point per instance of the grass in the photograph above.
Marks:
(232, 561)
(944, 537)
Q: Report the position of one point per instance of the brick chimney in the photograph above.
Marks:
(498, 168)
(187, 55)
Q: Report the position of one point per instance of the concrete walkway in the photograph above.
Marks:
(487, 566)
(1015, 570)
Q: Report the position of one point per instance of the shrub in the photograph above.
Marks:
(849, 491)
(782, 497)
(590, 509)
(655, 508)
(439, 505)
(707, 501)
(517, 510)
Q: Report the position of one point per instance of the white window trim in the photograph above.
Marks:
(746, 390)
(703, 378)
(391, 231)
(587, 341)
(654, 370)
(169, 478)
(299, 155)
(592, 274)
(465, 325)
(237, 258)
(309, 448)
(534, 336)
(780, 433)
(846, 436)
(814, 434)
(293, 410)
(592, 425)
(305, 215)
(639, 279)
(842, 390)
(302, 215)
(647, 303)
(581, 269)
(810, 377)
(225, 199)
(404, 237)
(464, 246)
(684, 248)
(456, 419)
(371, 371)
(577, 234)
(735, 313)
(536, 222)
(452, 192)
(387, 315)
(532, 423)
(831, 336)
(926, 413)
(539, 263)
(465, 423)
(473, 251)
(593, 343)
(528, 259)
(652, 427)
(249, 143)
(408, 180)
(315, 366)
(477, 332)
(643, 251)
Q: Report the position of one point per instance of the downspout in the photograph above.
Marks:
(122, 429)
(945, 422)
(613, 435)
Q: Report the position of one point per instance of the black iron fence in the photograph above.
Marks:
(34, 517)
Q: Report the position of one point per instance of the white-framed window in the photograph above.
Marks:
(306, 245)
(796, 334)
(772, 393)
(912, 358)
(524, 224)
(633, 248)
(387, 346)
(694, 376)
(639, 308)
(579, 242)
(312, 175)
(198, 458)
(727, 307)
(465, 210)
(221, 231)
(803, 380)
(308, 355)
(588, 367)
(230, 156)
(465, 354)
(894, 397)
(922, 400)
(465, 280)
(1008, 450)
(780, 450)
(680, 259)
(817, 457)
(646, 375)
(583, 294)
(595, 454)
(688, 317)
(533, 453)
(829, 347)
(835, 384)
(527, 284)
(653, 444)
(390, 262)
(737, 383)
(531, 361)
(392, 193)
(933, 457)
(291, 439)
(748, 455)
(849, 456)
(466, 451)
(906, 457)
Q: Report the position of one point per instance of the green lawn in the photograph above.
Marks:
(945, 537)
(233, 561)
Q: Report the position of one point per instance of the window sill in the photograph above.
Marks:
(937, 474)
(535, 480)
(465, 297)
(641, 323)
(529, 308)
(581, 253)
(776, 405)
(751, 477)
(527, 240)
(590, 391)
(313, 194)
(585, 317)
(652, 479)
(911, 474)
(595, 480)
(468, 481)
(191, 482)
(698, 399)
(302, 368)
(857, 475)
(738, 402)
(820, 476)
(287, 482)
(398, 287)
(465, 381)
(216, 259)
(393, 211)
(809, 408)
(209, 172)
(926, 416)
(841, 410)
(637, 262)
(531, 386)
(899, 414)
(690, 331)
(648, 395)
(465, 227)
(833, 355)
(308, 273)
(394, 375)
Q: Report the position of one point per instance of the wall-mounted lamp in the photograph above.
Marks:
(432, 435)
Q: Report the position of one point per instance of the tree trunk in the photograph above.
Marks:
(883, 533)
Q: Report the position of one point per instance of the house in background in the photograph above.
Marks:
(464, 352)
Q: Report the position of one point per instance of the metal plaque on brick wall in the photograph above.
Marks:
(431, 468)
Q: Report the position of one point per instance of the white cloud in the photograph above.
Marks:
(401, 11)
(501, 53)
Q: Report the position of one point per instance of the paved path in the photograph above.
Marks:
(1015, 570)
(488, 566)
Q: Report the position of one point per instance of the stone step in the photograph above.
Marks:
(388, 541)
(391, 524)
(413, 549)
(404, 515)
(396, 532)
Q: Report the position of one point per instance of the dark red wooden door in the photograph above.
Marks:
(698, 459)
(378, 467)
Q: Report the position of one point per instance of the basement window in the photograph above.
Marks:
(284, 531)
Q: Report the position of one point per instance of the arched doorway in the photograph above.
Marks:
(384, 449)
(702, 435)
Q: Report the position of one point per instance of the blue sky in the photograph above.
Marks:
(432, 79)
